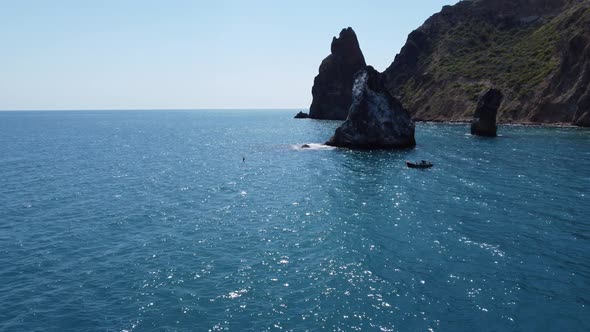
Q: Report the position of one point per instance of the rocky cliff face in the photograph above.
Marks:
(567, 93)
(332, 87)
(376, 119)
(536, 51)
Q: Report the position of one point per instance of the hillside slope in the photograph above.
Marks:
(536, 51)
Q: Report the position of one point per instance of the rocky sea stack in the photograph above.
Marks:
(332, 87)
(301, 115)
(376, 120)
(484, 119)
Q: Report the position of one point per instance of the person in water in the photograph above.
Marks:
(243, 159)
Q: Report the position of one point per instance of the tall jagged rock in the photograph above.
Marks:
(332, 87)
(376, 119)
(484, 119)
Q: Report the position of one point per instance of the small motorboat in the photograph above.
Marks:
(421, 164)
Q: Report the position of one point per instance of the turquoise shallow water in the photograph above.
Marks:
(150, 221)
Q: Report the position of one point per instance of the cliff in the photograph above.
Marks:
(535, 51)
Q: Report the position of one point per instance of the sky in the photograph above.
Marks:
(180, 54)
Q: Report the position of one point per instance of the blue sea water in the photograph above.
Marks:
(151, 221)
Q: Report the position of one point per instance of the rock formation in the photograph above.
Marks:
(301, 115)
(376, 120)
(484, 119)
(536, 51)
(332, 87)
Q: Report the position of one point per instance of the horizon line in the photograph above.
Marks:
(155, 109)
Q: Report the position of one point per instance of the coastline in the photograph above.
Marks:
(515, 124)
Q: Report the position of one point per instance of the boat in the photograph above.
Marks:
(421, 164)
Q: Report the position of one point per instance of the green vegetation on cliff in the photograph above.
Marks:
(519, 46)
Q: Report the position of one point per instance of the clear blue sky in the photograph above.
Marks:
(144, 54)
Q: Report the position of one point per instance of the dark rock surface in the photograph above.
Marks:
(301, 115)
(376, 119)
(582, 115)
(484, 119)
(567, 95)
(332, 87)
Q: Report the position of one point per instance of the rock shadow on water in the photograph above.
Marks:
(375, 161)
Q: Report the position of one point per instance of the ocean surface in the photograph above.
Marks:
(151, 221)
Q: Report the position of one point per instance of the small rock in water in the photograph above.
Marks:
(305, 146)
(301, 115)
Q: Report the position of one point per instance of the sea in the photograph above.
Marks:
(164, 220)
